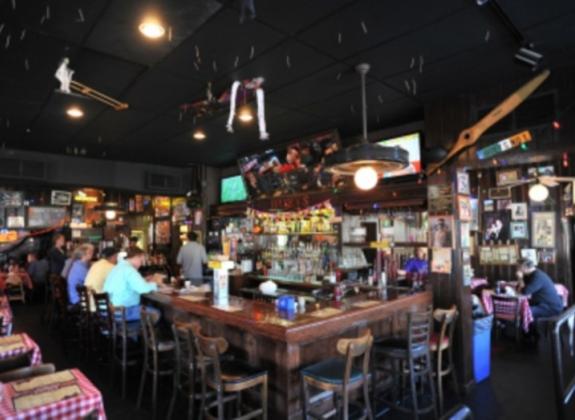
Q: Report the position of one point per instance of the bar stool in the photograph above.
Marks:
(439, 343)
(340, 376)
(158, 360)
(84, 318)
(125, 337)
(414, 350)
(229, 377)
(103, 322)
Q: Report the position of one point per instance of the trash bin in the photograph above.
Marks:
(482, 347)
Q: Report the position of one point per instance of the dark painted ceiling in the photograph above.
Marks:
(306, 50)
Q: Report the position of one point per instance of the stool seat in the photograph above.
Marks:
(434, 342)
(234, 371)
(331, 371)
(397, 347)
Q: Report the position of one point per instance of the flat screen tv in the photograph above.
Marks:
(412, 143)
(295, 168)
(232, 189)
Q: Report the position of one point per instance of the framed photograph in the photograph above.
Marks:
(60, 198)
(485, 255)
(464, 206)
(532, 172)
(474, 226)
(496, 226)
(441, 231)
(519, 230)
(519, 211)
(488, 205)
(162, 232)
(439, 199)
(46, 216)
(503, 204)
(543, 229)
(547, 170)
(441, 260)
(465, 235)
(500, 193)
(507, 176)
(11, 198)
(530, 254)
(463, 183)
(547, 256)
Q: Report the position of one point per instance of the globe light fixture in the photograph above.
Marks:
(75, 112)
(152, 28)
(245, 115)
(365, 178)
(538, 193)
(199, 135)
(110, 214)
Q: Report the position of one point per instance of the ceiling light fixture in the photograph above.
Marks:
(538, 193)
(245, 115)
(199, 135)
(152, 28)
(75, 112)
(365, 159)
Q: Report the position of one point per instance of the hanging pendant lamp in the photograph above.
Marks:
(366, 158)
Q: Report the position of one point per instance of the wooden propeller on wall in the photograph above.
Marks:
(470, 135)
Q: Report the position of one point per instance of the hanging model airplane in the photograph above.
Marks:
(471, 135)
(67, 85)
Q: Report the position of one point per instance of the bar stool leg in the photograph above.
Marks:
(265, 398)
(142, 380)
(155, 387)
(124, 364)
(431, 383)
(220, 403)
(305, 399)
(439, 373)
(176, 385)
(366, 398)
(203, 403)
(192, 393)
(413, 388)
(345, 404)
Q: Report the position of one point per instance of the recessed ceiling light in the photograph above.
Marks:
(75, 112)
(199, 135)
(152, 28)
(245, 115)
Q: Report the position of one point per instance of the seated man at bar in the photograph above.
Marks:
(77, 275)
(124, 284)
(99, 270)
(544, 299)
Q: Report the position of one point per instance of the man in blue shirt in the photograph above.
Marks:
(124, 284)
(544, 299)
(82, 257)
(417, 264)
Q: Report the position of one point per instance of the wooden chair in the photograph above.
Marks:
(507, 311)
(158, 360)
(341, 376)
(84, 318)
(443, 342)
(27, 372)
(103, 324)
(563, 356)
(125, 349)
(228, 378)
(14, 288)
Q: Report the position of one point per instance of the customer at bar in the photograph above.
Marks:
(100, 269)
(543, 297)
(124, 284)
(82, 258)
(57, 254)
(191, 258)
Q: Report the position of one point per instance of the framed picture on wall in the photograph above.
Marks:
(60, 198)
(503, 204)
(500, 193)
(519, 211)
(543, 229)
(519, 230)
(547, 256)
(463, 183)
(474, 226)
(496, 226)
(441, 231)
(488, 205)
(441, 260)
(465, 235)
(530, 254)
(464, 206)
(507, 176)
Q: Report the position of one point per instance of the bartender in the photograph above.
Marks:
(416, 265)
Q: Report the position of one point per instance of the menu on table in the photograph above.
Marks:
(325, 312)
(44, 380)
(11, 343)
(365, 304)
(194, 298)
(29, 401)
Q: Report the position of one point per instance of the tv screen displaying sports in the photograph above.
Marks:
(295, 168)
(232, 189)
(412, 143)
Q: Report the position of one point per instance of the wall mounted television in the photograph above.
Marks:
(412, 143)
(232, 189)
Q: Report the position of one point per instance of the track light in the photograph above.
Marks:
(527, 55)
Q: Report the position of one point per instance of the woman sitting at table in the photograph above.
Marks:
(543, 297)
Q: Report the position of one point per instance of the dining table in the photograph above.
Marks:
(6, 315)
(63, 395)
(524, 307)
(17, 344)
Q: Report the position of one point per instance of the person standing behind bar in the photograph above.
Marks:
(57, 254)
(124, 284)
(543, 297)
(191, 258)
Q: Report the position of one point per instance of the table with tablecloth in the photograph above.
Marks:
(24, 276)
(64, 395)
(17, 344)
(524, 308)
(6, 314)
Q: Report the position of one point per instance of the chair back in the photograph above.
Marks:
(84, 302)
(354, 348)
(505, 308)
(59, 292)
(563, 357)
(447, 318)
(184, 347)
(119, 323)
(419, 325)
(212, 348)
(148, 322)
(103, 318)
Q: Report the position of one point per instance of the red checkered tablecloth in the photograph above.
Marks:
(27, 345)
(524, 308)
(71, 408)
(476, 282)
(6, 314)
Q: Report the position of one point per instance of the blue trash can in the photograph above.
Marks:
(482, 347)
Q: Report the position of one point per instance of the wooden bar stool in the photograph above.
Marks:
(228, 378)
(411, 361)
(103, 322)
(158, 360)
(443, 342)
(340, 376)
(84, 318)
(125, 337)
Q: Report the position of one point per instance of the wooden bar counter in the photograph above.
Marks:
(259, 335)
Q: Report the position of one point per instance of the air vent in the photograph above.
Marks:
(162, 182)
(19, 168)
